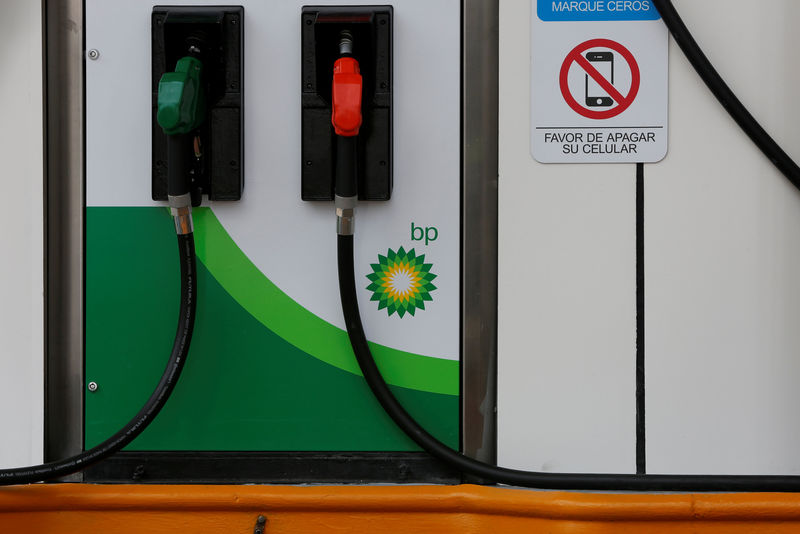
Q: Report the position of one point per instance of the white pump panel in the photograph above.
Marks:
(275, 229)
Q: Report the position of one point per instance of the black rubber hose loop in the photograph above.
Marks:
(724, 94)
(576, 481)
(157, 400)
(516, 477)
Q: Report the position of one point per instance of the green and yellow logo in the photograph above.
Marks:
(401, 282)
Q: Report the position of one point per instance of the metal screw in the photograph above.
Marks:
(138, 472)
(94, 54)
(261, 521)
(92, 386)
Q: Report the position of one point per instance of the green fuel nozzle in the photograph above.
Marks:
(181, 110)
(181, 99)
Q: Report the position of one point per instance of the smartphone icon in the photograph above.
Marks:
(595, 95)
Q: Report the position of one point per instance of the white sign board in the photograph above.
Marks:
(599, 79)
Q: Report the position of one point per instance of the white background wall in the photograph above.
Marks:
(567, 287)
(21, 303)
(722, 246)
(722, 271)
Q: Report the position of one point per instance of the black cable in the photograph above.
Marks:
(179, 149)
(177, 359)
(724, 94)
(346, 169)
(515, 477)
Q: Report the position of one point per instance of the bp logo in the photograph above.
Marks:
(401, 282)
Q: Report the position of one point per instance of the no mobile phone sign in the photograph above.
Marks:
(599, 82)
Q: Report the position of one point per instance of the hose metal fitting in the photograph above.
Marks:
(345, 214)
(345, 43)
(181, 209)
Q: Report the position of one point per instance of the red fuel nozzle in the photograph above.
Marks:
(346, 97)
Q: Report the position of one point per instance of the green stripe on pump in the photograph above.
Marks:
(280, 313)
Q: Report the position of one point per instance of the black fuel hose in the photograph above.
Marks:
(724, 94)
(157, 400)
(345, 172)
(516, 477)
(576, 481)
(179, 147)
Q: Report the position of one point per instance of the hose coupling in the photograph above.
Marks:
(181, 209)
(345, 43)
(345, 214)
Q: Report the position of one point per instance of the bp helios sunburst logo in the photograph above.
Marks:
(401, 282)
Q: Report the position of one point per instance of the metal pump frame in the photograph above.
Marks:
(64, 211)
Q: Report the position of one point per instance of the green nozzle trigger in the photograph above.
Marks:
(181, 101)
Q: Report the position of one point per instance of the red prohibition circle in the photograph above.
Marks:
(575, 56)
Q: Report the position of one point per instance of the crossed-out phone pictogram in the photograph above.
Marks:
(616, 100)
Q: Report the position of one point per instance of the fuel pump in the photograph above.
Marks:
(346, 157)
(356, 42)
(204, 46)
(346, 119)
(181, 103)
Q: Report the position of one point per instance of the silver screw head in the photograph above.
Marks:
(92, 386)
(94, 54)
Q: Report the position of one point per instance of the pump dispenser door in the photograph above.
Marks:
(215, 36)
(371, 28)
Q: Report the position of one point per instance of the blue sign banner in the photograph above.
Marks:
(594, 10)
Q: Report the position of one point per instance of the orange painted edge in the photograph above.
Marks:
(448, 499)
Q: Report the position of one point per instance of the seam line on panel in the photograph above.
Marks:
(640, 347)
